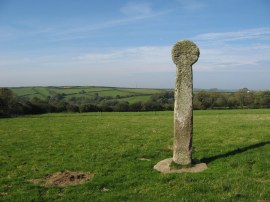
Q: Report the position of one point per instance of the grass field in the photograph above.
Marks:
(121, 150)
(138, 94)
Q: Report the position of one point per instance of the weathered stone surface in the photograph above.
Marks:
(164, 167)
(184, 54)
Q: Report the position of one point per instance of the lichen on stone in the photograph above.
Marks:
(185, 51)
(184, 54)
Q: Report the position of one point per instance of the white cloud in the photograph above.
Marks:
(131, 13)
(136, 9)
(232, 59)
(258, 33)
(244, 50)
(119, 65)
(229, 58)
(149, 55)
(125, 60)
(235, 58)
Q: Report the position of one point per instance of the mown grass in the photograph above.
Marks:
(121, 150)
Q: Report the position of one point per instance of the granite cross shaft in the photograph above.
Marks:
(184, 55)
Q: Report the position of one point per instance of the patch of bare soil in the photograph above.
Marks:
(263, 180)
(3, 194)
(64, 178)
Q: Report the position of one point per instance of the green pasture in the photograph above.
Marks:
(131, 94)
(121, 150)
(24, 91)
(139, 98)
(142, 90)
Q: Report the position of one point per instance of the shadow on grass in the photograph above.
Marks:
(234, 152)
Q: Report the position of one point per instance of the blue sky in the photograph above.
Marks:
(128, 43)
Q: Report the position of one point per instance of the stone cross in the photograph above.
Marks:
(184, 54)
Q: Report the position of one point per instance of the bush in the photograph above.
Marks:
(122, 107)
(8, 103)
(89, 108)
(136, 106)
(72, 108)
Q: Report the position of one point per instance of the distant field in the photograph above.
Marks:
(130, 94)
(139, 98)
(121, 150)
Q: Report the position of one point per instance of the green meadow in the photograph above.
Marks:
(120, 149)
(128, 94)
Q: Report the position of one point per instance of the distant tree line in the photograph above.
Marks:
(11, 105)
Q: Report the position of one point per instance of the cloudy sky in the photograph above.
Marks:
(128, 43)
